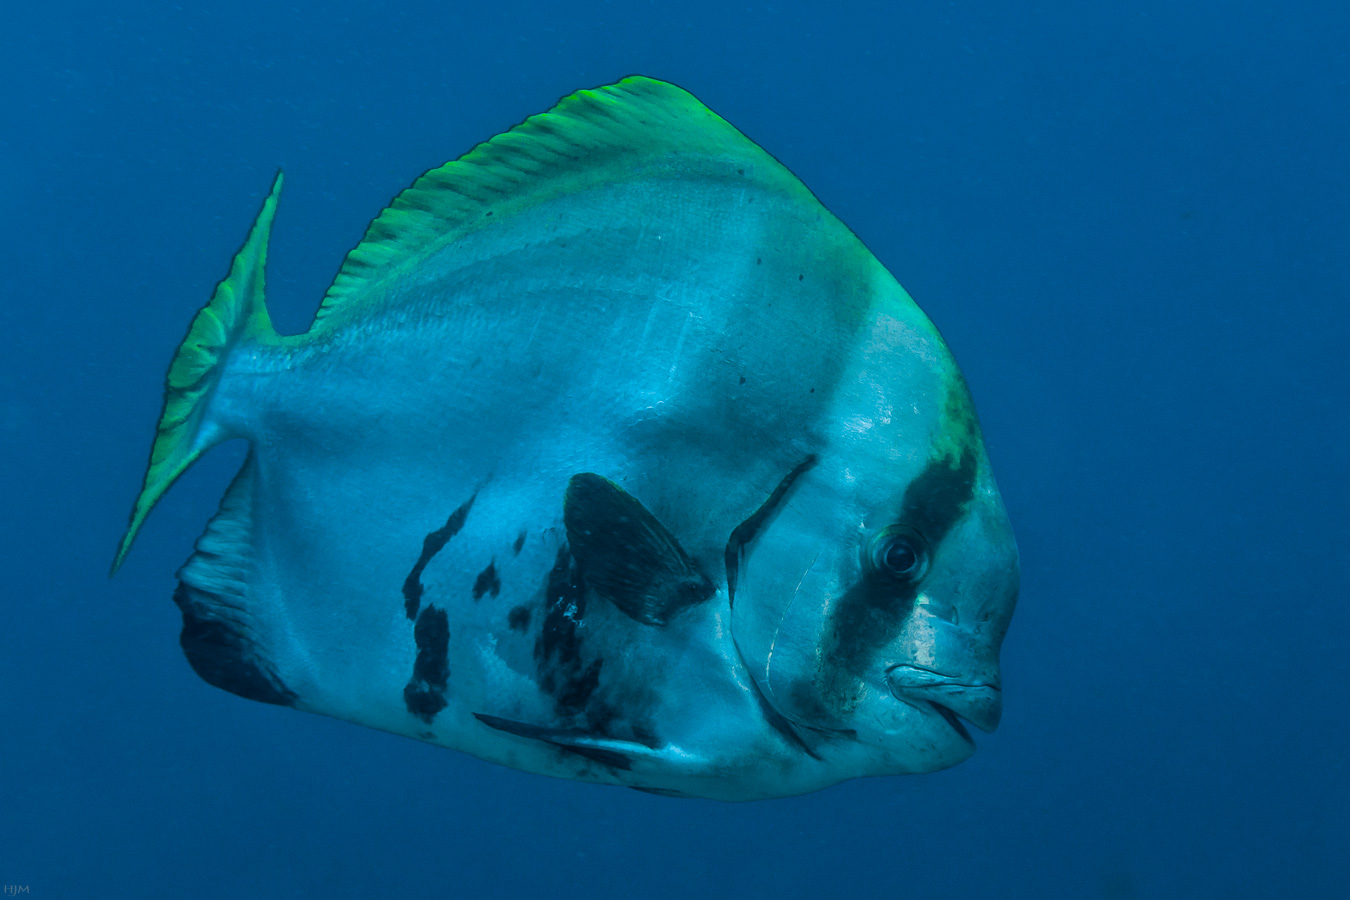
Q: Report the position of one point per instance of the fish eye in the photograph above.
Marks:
(900, 553)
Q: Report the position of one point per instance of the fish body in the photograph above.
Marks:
(604, 459)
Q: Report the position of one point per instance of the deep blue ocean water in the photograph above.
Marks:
(1132, 223)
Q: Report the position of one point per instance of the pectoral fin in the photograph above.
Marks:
(626, 555)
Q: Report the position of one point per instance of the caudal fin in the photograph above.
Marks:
(237, 314)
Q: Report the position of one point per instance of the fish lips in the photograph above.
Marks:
(977, 701)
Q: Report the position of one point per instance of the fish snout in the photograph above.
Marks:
(978, 700)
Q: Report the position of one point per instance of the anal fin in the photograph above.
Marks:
(221, 639)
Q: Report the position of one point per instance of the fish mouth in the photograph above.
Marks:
(953, 720)
(956, 699)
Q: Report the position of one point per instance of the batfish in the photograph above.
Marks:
(610, 455)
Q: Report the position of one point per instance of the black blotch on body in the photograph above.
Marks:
(425, 693)
(487, 582)
(744, 533)
(220, 651)
(870, 614)
(519, 544)
(519, 619)
(557, 651)
(626, 555)
(742, 379)
(432, 544)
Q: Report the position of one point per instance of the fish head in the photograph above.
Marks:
(871, 605)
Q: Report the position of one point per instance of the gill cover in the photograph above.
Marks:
(863, 596)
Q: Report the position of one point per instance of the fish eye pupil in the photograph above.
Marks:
(900, 556)
(900, 553)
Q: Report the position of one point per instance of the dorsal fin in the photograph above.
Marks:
(609, 134)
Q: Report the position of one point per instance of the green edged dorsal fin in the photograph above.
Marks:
(236, 314)
(609, 134)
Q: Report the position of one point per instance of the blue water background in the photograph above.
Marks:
(1130, 220)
